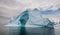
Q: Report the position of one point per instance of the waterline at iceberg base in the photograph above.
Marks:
(30, 31)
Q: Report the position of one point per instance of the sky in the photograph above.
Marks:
(10, 8)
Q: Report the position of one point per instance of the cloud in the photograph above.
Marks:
(52, 4)
(50, 11)
(10, 8)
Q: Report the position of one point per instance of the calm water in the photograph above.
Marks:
(31, 31)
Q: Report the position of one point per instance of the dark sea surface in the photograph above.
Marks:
(31, 31)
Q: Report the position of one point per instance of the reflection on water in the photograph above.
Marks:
(40, 31)
(23, 31)
(31, 31)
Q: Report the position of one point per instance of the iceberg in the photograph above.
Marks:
(30, 18)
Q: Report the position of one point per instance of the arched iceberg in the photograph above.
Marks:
(30, 18)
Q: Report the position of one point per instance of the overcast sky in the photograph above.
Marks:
(9, 8)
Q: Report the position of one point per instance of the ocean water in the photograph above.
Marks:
(31, 31)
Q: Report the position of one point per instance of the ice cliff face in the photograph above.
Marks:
(30, 18)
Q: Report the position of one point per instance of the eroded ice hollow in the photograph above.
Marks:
(30, 18)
